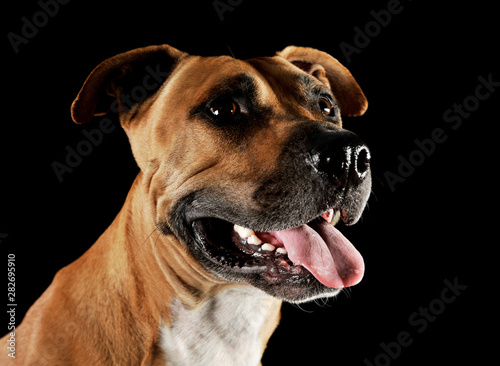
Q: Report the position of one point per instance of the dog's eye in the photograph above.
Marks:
(224, 108)
(326, 107)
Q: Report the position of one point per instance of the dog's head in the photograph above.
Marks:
(245, 162)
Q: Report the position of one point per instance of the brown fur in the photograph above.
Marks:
(106, 307)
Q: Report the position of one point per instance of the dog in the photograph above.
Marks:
(245, 168)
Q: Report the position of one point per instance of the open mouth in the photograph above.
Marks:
(315, 249)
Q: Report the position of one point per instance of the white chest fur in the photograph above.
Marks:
(222, 332)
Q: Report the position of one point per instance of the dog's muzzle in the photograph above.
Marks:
(321, 167)
(288, 239)
(343, 161)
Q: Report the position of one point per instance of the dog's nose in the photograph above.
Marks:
(341, 157)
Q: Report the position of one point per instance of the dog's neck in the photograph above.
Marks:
(202, 318)
(229, 329)
(154, 252)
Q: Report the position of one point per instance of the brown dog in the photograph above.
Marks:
(245, 168)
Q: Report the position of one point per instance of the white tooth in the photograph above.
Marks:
(253, 239)
(281, 250)
(336, 217)
(243, 232)
(268, 247)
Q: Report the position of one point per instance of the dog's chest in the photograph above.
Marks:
(223, 331)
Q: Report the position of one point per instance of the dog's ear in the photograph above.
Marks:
(124, 80)
(351, 100)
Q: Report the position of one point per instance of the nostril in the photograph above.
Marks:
(333, 164)
(362, 156)
(340, 157)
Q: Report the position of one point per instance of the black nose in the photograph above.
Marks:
(341, 157)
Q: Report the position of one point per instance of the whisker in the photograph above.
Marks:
(347, 292)
(140, 247)
(158, 237)
(304, 310)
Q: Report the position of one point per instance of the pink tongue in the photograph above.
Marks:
(326, 253)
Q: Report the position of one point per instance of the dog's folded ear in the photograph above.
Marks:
(349, 96)
(123, 81)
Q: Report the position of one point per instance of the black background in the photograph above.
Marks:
(432, 227)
